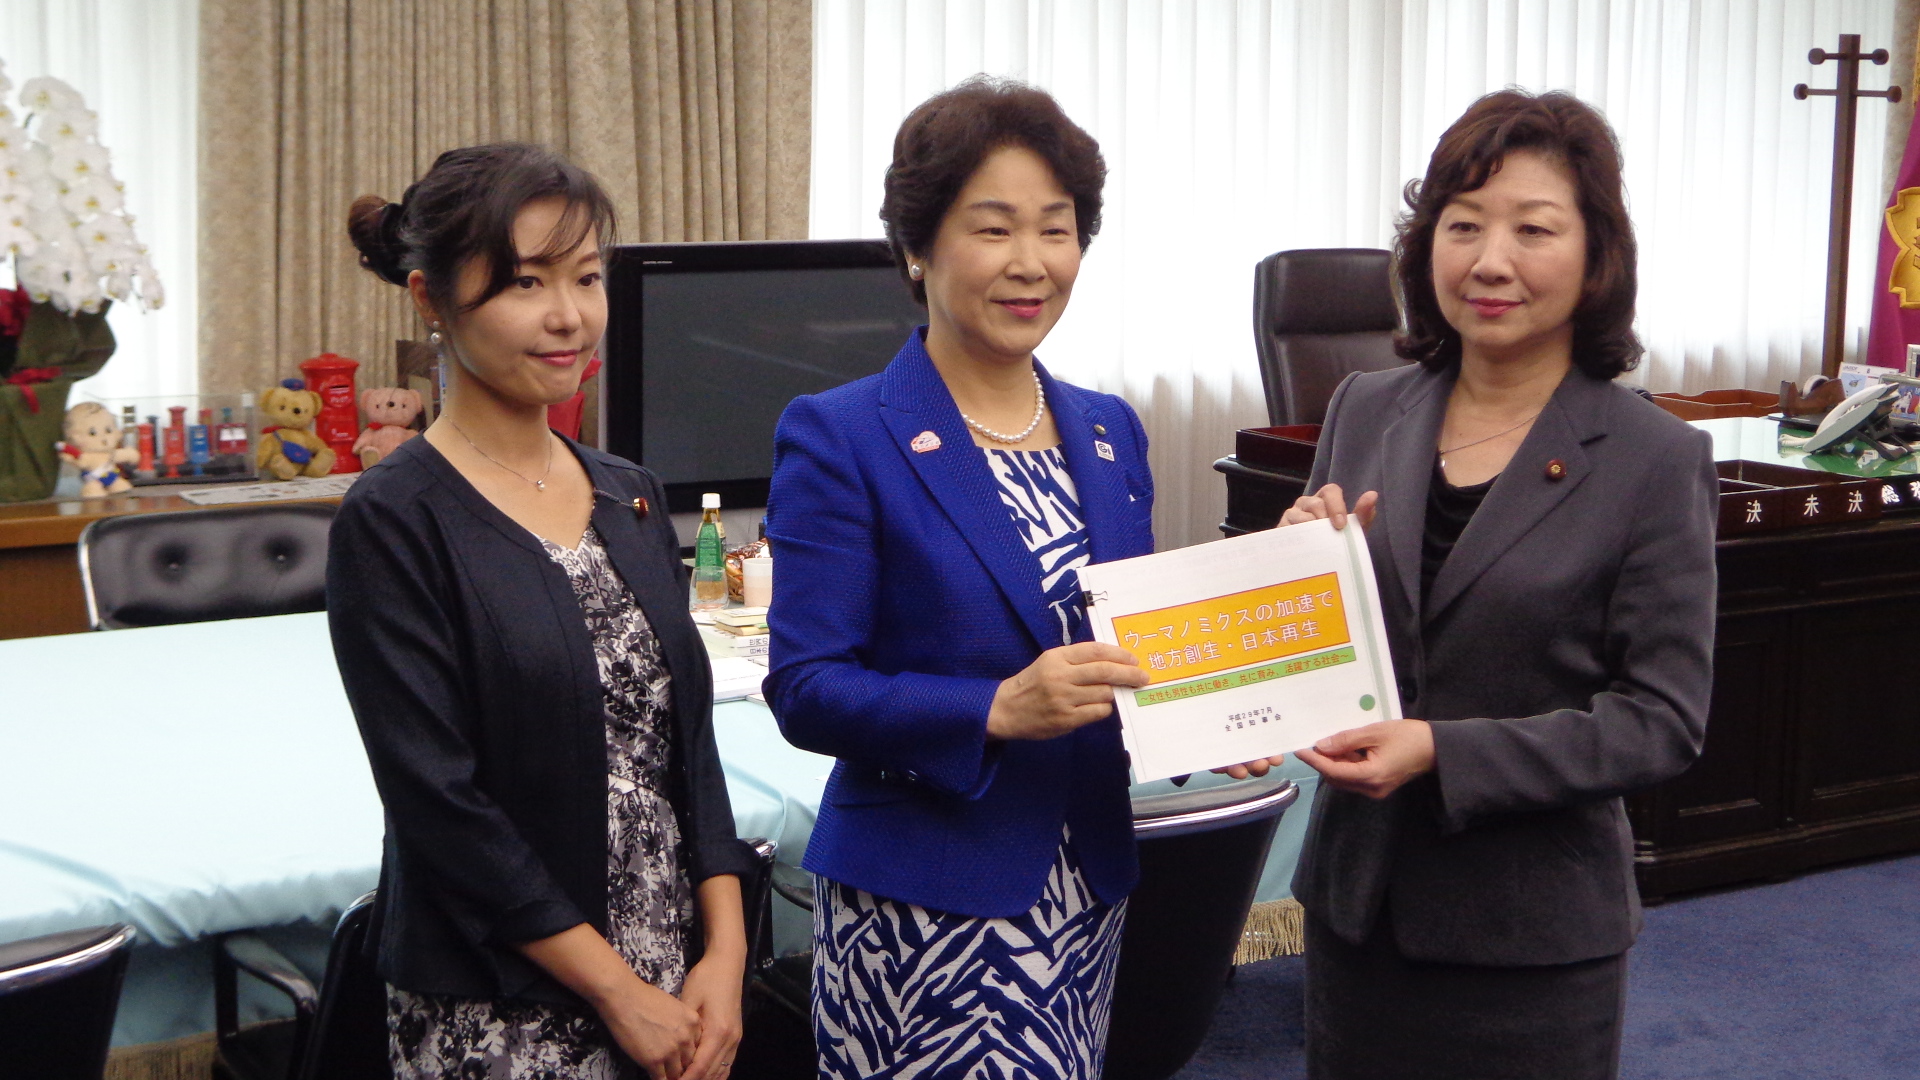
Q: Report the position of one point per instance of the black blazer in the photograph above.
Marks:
(1564, 657)
(472, 678)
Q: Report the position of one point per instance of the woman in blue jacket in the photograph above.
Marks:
(974, 846)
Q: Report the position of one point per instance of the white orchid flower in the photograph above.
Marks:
(94, 197)
(69, 126)
(153, 295)
(47, 94)
(73, 163)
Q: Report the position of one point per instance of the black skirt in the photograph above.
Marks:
(1371, 1013)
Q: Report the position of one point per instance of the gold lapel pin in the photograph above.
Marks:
(1099, 429)
(1556, 469)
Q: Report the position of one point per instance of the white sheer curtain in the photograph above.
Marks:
(137, 64)
(1236, 128)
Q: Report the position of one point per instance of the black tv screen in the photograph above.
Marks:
(707, 343)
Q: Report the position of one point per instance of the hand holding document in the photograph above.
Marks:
(1255, 646)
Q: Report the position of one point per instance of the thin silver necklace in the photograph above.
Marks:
(1039, 410)
(539, 485)
(1444, 451)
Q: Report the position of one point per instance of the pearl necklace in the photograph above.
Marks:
(1039, 410)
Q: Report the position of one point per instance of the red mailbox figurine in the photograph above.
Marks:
(338, 424)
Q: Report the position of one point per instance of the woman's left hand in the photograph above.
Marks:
(712, 989)
(1374, 760)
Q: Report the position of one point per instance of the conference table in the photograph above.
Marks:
(200, 779)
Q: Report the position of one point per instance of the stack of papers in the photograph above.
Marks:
(736, 677)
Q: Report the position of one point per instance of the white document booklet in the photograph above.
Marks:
(1258, 645)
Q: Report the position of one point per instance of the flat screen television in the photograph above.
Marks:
(707, 343)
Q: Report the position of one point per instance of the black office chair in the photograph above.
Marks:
(1319, 314)
(202, 565)
(777, 1043)
(337, 1031)
(1201, 854)
(58, 998)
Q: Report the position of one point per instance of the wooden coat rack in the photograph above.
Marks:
(1847, 95)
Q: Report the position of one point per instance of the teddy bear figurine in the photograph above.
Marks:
(389, 412)
(93, 443)
(287, 448)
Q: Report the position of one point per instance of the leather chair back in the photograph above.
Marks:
(1201, 856)
(202, 565)
(349, 1036)
(58, 998)
(1319, 314)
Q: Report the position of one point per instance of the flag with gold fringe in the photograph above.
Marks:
(1896, 296)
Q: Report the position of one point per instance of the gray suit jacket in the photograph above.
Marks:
(1564, 657)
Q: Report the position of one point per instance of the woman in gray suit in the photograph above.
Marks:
(1543, 540)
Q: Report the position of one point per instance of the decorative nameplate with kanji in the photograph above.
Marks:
(1761, 497)
(1255, 645)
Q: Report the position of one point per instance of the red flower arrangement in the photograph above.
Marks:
(13, 322)
(14, 305)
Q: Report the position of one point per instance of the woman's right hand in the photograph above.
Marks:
(1331, 502)
(656, 1029)
(1063, 689)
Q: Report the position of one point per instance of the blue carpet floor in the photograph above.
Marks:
(1814, 978)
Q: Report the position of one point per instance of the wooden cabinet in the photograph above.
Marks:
(1813, 741)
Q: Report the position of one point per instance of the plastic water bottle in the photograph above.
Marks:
(709, 557)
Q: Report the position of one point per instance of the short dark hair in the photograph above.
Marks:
(1560, 126)
(464, 208)
(942, 143)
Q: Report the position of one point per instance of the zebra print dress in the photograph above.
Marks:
(901, 991)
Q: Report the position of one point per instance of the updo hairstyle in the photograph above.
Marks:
(1566, 129)
(464, 208)
(944, 141)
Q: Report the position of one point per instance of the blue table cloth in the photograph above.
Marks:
(193, 780)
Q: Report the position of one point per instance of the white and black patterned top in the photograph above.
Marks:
(649, 898)
(1039, 492)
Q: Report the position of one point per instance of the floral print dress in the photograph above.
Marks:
(649, 898)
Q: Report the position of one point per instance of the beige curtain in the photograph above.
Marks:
(693, 113)
(1905, 73)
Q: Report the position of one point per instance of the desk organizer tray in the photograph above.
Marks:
(1717, 403)
(1289, 448)
(1760, 497)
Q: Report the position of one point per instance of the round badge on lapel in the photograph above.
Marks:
(640, 508)
(1556, 469)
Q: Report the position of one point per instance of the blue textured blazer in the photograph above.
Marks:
(905, 596)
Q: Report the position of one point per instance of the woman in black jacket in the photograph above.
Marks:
(509, 615)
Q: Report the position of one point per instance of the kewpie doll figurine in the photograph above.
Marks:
(93, 443)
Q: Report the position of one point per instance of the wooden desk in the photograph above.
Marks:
(1813, 739)
(40, 590)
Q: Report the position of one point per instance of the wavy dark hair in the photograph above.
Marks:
(1560, 126)
(464, 208)
(941, 144)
